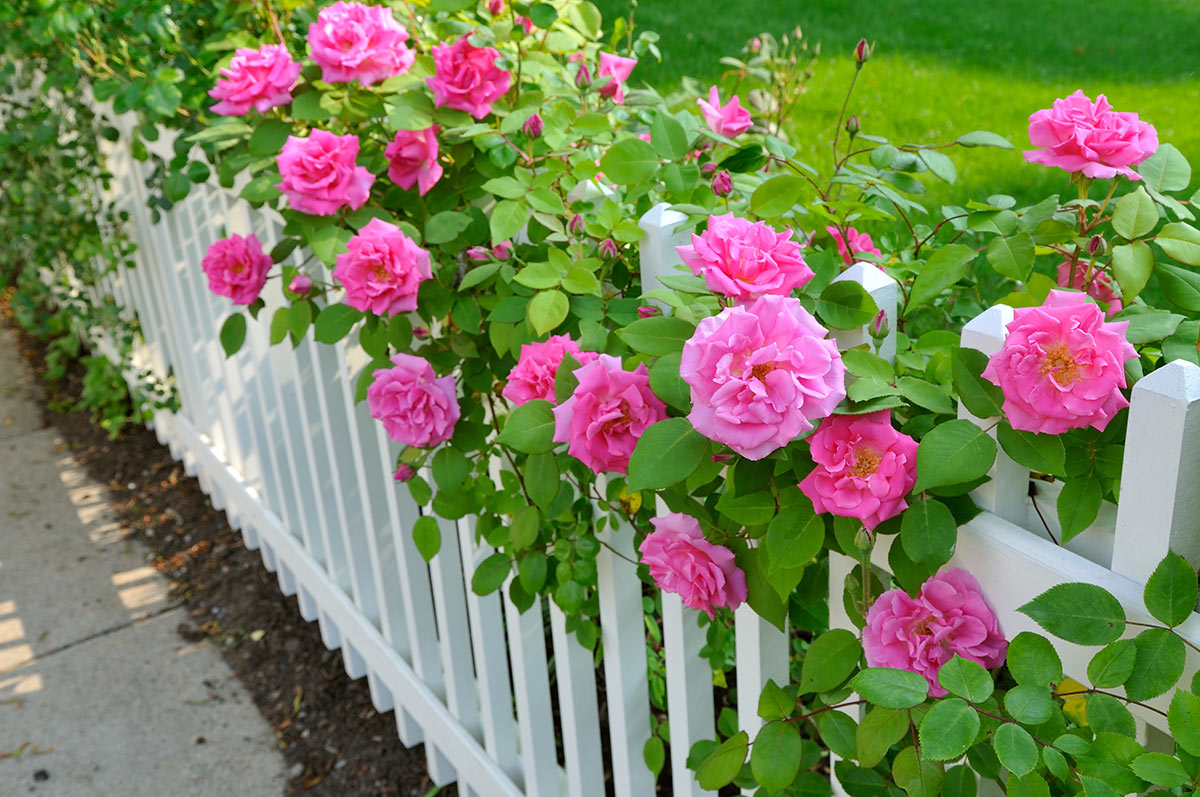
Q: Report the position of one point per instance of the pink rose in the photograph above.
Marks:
(603, 419)
(744, 259)
(729, 120)
(403, 473)
(351, 41)
(300, 284)
(760, 374)
(236, 267)
(619, 69)
(864, 467)
(949, 616)
(467, 78)
(260, 79)
(1095, 283)
(413, 158)
(681, 561)
(382, 269)
(320, 176)
(414, 405)
(536, 368)
(1090, 137)
(1062, 366)
(853, 243)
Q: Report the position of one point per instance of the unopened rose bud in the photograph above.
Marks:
(721, 457)
(722, 184)
(502, 250)
(479, 253)
(862, 52)
(647, 312)
(533, 126)
(755, 44)
(1097, 246)
(879, 326)
(420, 332)
(495, 7)
(708, 169)
(404, 473)
(863, 540)
(583, 77)
(301, 284)
(608, 249)
(852, 126)
(575, 225)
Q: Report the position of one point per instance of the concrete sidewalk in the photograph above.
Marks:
(98, 693)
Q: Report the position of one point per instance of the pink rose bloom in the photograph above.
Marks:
(1062, 366)
(610, 408)
(729, 120)
(467, 78)
(619, 69)
(236, 267)
(414, 405)
(320, 176)
(760, 374)
(351, 41)
(260, 79)
(864, 467)
(1090, 137)
(536, 368)
(744, 259)
(382, 269)
(949, 616)
(413, 158)
(853, 243)
(681, 561)
(1095, 283)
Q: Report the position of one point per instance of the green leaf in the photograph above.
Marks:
(760, 595)
(1081, 613)
(1078, 505)
(1033, 660)
(161, 99)
(746, 159)
(507, 218)
(947, 266)
(658, 335)
(532, 571)
(919, 777)
(450, 469)
(1171, 591)
(1166, 169)
(775, 757)
(279, 324)
(890, 688)
(1042, 453)
(299, 320)
(420, 490)
(961, 781)
(1012, 257)
(489, 576)
(794, 537)
(1179, 285)
(1151, 326)
(1132, 264)
(777, 195)
(1183, 719)
(880, 729)
(542, 478)
(751, 509)
(334, 322)
(1158, 665)
(629, 161)
(261, 189)
(328, 242)
(269, 137)
(666, 453)
(1160, 769)
(966, 679)
(1106, 714)
(830, 660)
(846, 305)
(1135, 214)
(981, 398)
(444, 227)
(654, 753)
(1113, 665)
(774, 703)
(928, 532)
(525, 527)
(954, 452)
(543, 15)
(1029, 704)
(837, 732)
(939, 164)
(176, 186)
(983, 138)
(1031, 785)
(530, 428)
(548, 309)
(1015, 748)
(233, 334)
(724, 763)
(948, 729)
(427, 537)
(1181, 242)
(409, 110)
(668, 137)
(668, 385)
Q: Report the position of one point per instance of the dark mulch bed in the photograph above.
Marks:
(335, 740)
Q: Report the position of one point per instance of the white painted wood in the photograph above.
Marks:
(575, 675)
(531, 686)
(454, 630)
(664, 231)
(886, 293)
(762, 655)
(689, 689)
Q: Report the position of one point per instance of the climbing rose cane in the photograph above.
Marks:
(607, 413)
(237, 268)
(1090, 137)
(413, 158)
(1062, 366)
(744, 260)
(382, 269)
(352, 41)
(948, 617)
(682, 562)
(864, 470)
(853, 243)
(619, 69)
(260, 79)
(320, 175)
(729, 120)
(760, 374)
(414, 405)
(466, 78)
(537, 367)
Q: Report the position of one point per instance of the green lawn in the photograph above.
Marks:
(942, 69)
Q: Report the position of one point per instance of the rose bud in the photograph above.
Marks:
(1097, 246)
(533, 126)
(879, 326)
(502, 250)
(722, 184)
(404, 473)
(608, 249)
(495, 7)
(852, 126)
(575, 225)
(583, 77)
(721, 457)
(479, 253)
(420, 332)
(862, 52)
(708, 169)
(647, 312)
(301, 284)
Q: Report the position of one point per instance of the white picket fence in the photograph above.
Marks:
(277, 441)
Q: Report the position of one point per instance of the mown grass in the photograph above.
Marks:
(942, 69)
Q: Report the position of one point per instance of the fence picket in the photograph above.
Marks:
(689, 689)
(575, 674)
(531, 687)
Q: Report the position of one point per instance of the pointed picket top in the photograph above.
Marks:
(986, 332)
(886, 293)
(658, 256)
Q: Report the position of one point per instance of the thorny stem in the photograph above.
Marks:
(1111, 694)
(842, 113)
(1033, 498)
(823, 709)
(507, 454)
(1172, 630)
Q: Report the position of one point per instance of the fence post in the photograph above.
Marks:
(657, 249)
(1008, 490)
(1159, 506)
(886, 293)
